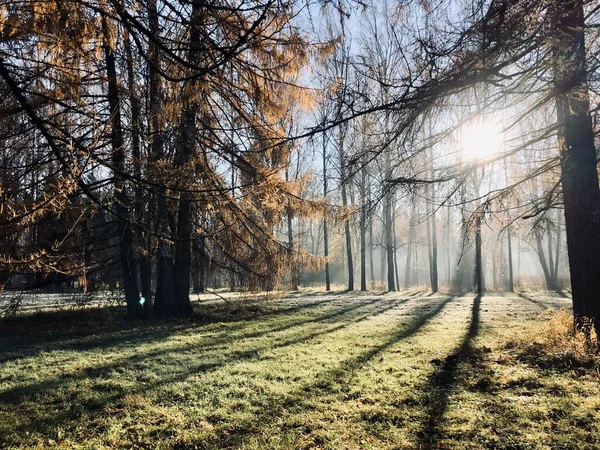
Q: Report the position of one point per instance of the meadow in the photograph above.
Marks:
(406, 370)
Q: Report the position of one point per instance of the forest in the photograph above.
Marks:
(299, 224)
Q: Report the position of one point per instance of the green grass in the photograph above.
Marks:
(357, 371)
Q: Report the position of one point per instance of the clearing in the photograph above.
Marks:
(403, 370)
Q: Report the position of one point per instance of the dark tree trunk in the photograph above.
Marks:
(293, 269)
(325, 236)
(557, 252)
(163, 298)
(345, 203)
(371, 261)
(448, 261)
(434, 254)
(551, 257)
(579, 175)
(432, 244)
(363, 230)
(143, 247)
(479, 281)
(184, 160)
(165, 275)
(126, 250)
(348, 246)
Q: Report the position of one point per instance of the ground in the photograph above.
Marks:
(402, 370)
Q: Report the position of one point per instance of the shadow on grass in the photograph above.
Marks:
(438, 388)
(336, 379)
(88, 329)
(544, 304)
(83, 403)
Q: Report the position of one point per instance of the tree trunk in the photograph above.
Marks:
(163, 297)
(409, 247)
(448, 260)
(347, 222)
(557, 252)
(479, 281)
(432, 244)
(396, 273)
(184, 160)
(543, 263)
(363, 230)
(126, 250)
(325, 236)
(371, 262)
(389, 242)
(143, 241)
(293, 271)
(511, 285)
(579, 175)
(551, 256)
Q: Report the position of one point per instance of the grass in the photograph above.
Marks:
(405, 370)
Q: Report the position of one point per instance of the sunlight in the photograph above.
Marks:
(480, 140)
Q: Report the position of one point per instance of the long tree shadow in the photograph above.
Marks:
(239, 433)
(140, 334)
(28, 336)
(543, 304)
(15, 395)
(440, 384)
(42, 389)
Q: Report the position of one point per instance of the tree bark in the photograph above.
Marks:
(479, 281)
(143, 241)
(345, 204)
(389, 242)
(290, 232)
(409, 247)
(579, 175)
(371, 261)
(126, 250)
(511, 284)
(325, 236)
(543, 263)
(363, 229)
(396, 273)
(432, 242)
(184, 160)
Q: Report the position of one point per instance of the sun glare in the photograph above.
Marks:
(480, 141)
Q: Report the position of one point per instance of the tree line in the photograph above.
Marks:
(165, 147)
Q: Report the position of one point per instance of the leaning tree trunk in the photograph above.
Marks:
(126, 250)
(579, 175)
(543, 263)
